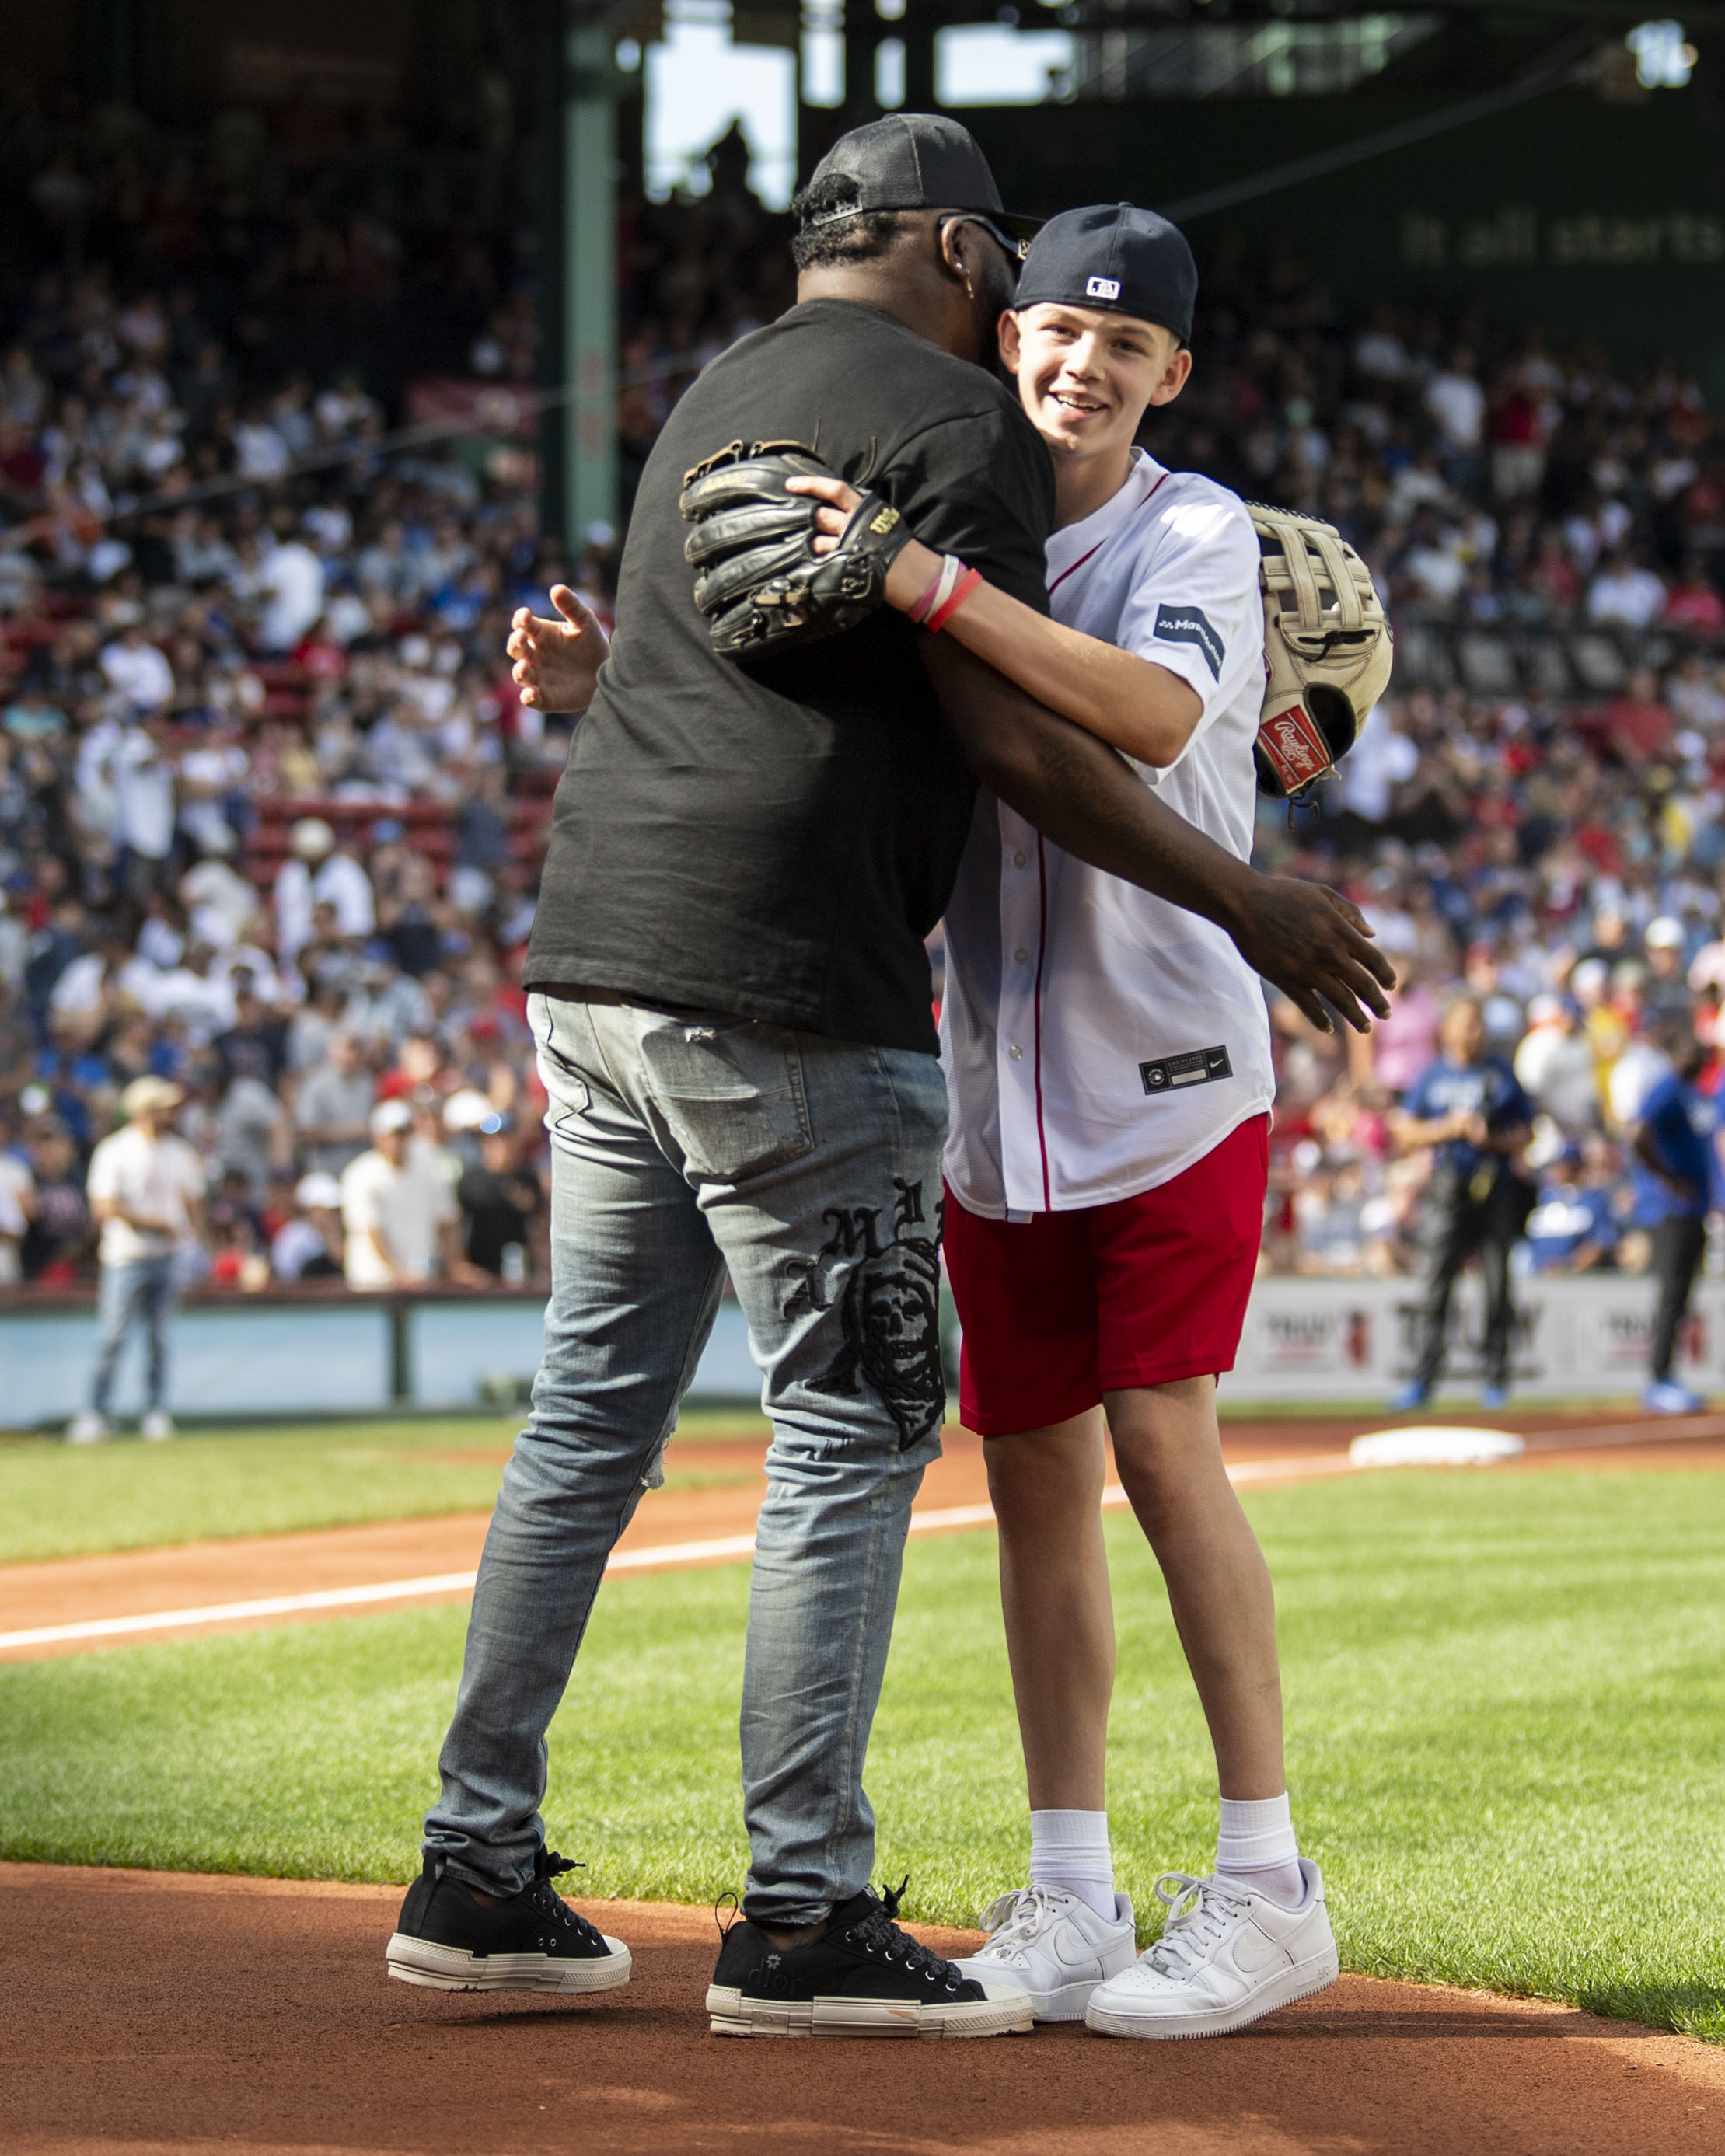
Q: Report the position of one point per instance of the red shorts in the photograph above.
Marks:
(1062, 1307)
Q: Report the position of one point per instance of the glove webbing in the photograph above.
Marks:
(1296, 570)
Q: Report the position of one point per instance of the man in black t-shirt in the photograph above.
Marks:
(256, 1044)
(500, 1200)
(730, 1000)
(774, 840)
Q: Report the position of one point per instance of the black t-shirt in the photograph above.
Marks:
(774, 840)
(498, 1208)
(258, 1052)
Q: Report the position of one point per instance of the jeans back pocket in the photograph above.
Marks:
(732, 1093)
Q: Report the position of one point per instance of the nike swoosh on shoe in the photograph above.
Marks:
(1255, 1951)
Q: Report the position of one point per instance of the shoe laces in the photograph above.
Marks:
(1016, 1919)
(877, 1934)
(547, 1865)
(1199, 1912)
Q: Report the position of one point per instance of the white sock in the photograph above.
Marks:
(1070, 1850)
(1256, 1847)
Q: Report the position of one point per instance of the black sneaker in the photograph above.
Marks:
(532, 1941)
(862, 1977)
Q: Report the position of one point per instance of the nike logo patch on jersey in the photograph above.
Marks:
(1191, 624)
(1197, 1067)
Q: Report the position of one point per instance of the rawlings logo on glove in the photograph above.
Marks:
(1328, 648)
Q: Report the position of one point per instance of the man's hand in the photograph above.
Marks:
(1307, 941)
(1310, 942)
(557, 663)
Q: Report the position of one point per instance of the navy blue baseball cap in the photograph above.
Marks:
(1114, 256)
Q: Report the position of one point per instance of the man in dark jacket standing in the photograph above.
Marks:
(1676, 1142)
(1474, 1111)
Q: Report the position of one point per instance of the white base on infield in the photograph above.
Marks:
(1435, 1444)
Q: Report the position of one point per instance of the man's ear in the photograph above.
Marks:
(1174, 378)
(950, 239)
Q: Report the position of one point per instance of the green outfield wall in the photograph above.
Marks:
(1601, 222)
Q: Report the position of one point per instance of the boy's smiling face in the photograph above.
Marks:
(1087, 376)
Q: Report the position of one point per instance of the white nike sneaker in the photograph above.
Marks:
(1053, 1945)
(89, 1428)
(1226, 1958)
(156, 1425)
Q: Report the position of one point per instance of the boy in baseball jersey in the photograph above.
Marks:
(1109, 1072)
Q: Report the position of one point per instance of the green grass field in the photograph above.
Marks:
(1507, 1715)
(211, 1485)
(60, 1502)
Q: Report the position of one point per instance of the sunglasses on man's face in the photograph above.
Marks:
(1015, 249)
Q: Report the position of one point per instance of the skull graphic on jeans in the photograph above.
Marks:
(888, 1300)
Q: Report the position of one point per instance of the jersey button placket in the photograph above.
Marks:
(1020, 943)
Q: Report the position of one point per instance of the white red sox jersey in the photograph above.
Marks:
(1097, 1040)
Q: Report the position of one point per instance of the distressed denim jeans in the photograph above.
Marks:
(143, 1291)
(810, 1169)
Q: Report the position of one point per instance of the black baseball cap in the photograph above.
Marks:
(917, 161)
(1112, 256)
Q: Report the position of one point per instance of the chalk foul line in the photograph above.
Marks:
(712, 1552)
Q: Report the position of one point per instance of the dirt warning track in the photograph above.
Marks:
(149, 2012)
(78, 1605)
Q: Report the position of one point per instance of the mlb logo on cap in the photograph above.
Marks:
(1112, 255)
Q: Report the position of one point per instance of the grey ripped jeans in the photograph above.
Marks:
(811, 1169)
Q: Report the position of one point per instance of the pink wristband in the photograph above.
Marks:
(919, 611)
(941, 590)
(943, 614)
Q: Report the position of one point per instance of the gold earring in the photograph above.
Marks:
(969, 289)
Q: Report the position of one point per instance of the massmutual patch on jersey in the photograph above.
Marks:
(1190, 624)
(1199, 1067)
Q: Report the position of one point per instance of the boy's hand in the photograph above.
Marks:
(912, 571)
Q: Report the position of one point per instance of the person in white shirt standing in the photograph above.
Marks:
(146, 1189)
(321, 869)
(1110, 1080)
(399, 1211)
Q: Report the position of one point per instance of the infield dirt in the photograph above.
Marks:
(149, 2012)
(60, 1591)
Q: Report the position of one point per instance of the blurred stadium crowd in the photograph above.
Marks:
(271, 814)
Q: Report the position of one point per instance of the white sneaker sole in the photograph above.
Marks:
(732, 2015)
(1300, 1982)
(1065, 2002)
(454, 1969)
(1060, 2002)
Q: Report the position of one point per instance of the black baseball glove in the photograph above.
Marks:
(758, 579)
